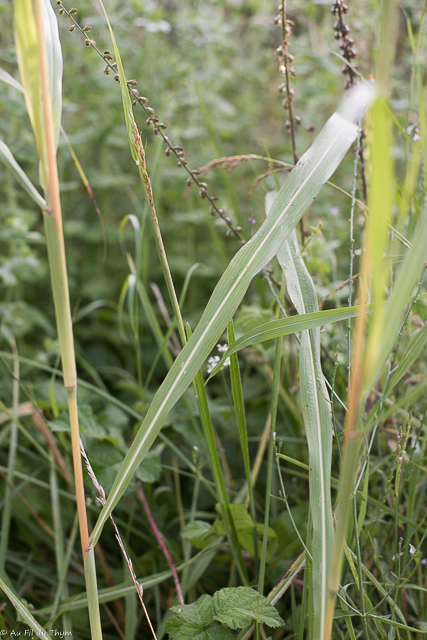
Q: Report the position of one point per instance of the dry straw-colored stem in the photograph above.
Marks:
(59, 274)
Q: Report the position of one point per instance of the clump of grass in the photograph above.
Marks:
(308, 547)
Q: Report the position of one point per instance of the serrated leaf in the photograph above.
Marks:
(239, 606)
(194, 622)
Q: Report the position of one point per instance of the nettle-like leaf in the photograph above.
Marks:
(240, 606)
(195, 622)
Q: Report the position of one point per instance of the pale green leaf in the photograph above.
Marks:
(20, 175)
(54, 58)
(10, 80)
(316, 410)
(301, 188)
(28, 62)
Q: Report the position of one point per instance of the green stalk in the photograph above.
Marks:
(368, 352)
(58, 270)
(227, 516)
(11, 461)
(239, 408)
(274, 403)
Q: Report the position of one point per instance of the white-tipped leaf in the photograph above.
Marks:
(302, 186)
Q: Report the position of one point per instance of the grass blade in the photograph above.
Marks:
(20, 175)
(303, 184)
(317, 416)
(23, 611)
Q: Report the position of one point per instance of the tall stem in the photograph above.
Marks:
(59, 278)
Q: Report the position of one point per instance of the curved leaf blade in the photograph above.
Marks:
(316, 410)
(302, 186)
(20, 175)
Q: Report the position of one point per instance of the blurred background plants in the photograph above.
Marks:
(209, 70)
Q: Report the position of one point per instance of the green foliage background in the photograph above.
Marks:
(209, 70)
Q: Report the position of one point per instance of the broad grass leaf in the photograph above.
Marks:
(302, 186)
(54, 58)
(317, 417)
(28, 63)
(26, 40)
(239, 606)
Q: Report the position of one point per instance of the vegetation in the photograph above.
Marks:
(243, 452)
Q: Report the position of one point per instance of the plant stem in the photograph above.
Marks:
(58, 270)
(275, 397)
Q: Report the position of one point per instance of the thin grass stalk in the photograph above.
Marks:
(58, 270)
(138, 154)
(11, 460)
(59, 543)
(350, 285)
(367, 353)
(274, 404)
(227, 517)
(161, 543)
(239, 408)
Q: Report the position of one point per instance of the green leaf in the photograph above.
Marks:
(316, 410)
(20, 175)
(22, 610)
(194, 622)
(150, 468)
(285, 327)
(28, 61)
(195, 529)
(415, 349)
(54, 58)
(10, 80)
(239, 606)
(132, 129)
(302, 186)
